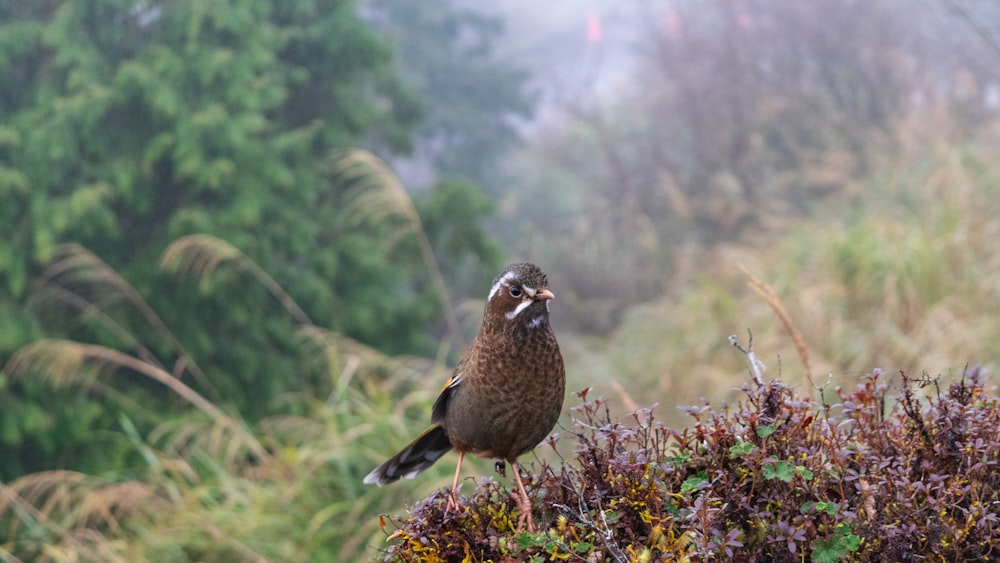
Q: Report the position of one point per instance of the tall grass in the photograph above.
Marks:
(214, 487)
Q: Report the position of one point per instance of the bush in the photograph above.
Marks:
(868, 476)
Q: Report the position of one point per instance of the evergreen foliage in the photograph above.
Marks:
(125, 125)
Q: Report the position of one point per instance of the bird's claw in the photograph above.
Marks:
(524, 505)
(452, 503)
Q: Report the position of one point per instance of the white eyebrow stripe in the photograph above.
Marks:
(520, 307)
(500, 283)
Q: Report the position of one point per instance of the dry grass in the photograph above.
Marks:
(905, 277)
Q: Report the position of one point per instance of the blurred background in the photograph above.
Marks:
(244, 241)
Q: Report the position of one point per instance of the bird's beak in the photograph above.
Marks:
(544, 294)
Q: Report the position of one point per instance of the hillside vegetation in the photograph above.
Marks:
(903, 273)
(903, 277)
(220, 307)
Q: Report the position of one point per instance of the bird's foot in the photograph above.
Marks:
(452, 502)
(524, 505)
(523, 502)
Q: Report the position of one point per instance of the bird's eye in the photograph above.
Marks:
(515, 291)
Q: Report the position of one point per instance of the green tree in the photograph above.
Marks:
(125, 124)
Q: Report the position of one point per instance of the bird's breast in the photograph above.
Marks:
(509, 399)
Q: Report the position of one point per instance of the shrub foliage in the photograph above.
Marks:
(896, 469)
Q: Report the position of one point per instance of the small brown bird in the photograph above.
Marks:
(506, 393)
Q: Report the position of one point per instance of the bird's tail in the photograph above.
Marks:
(417, 456)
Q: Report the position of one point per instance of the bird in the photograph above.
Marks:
(504, 396)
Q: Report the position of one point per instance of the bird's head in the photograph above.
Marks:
(519, 297)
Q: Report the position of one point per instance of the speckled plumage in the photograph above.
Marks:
(507, 392)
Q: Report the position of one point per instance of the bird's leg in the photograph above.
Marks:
(453, 495)
(523, 503)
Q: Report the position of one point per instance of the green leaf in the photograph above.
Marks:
(693, 483)
(741, 449)
(836, 546)
(782, 470)
(679, 459)
(765, 431)
(529, 539)
(830, 508)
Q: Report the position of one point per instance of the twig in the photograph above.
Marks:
(756, 366)
(771, 298)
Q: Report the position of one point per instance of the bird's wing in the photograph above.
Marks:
(441, 403)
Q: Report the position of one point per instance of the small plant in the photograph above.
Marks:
(777, 478)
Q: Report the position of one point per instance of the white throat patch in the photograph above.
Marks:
(520, 307)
